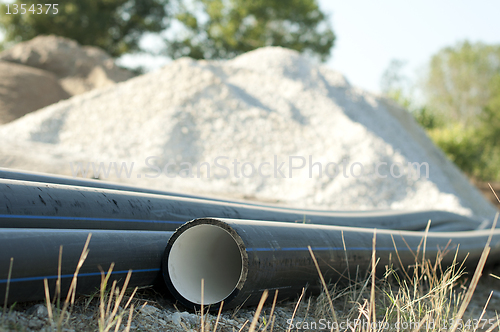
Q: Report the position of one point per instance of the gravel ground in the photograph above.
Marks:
(156, 312)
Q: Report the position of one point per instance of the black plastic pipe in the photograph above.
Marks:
(60, 209)
(35, 254)
(239, 259)
(10, 174)
(25, 204)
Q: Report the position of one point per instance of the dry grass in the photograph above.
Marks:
(424, 297)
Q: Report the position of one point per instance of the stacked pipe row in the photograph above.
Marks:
(239, 249)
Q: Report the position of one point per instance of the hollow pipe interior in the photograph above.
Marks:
(205, 252)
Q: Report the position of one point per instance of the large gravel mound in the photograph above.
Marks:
(263, 106)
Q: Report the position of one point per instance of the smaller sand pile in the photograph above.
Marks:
(79, 68)
(46, 69)
(25, 89)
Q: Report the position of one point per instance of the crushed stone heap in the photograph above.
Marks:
(261, 107)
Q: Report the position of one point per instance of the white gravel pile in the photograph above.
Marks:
(263, 106)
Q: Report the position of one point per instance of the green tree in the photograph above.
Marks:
(114, 25)
(397, 86)
(221, 29)
(463, 86)
(458, 81)
(490, 118)
(489, 133)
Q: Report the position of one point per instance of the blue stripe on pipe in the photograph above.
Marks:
(15, 216)
(342, 248)
(324, 248)
(89, 274)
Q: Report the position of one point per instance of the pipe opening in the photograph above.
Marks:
(205, 252)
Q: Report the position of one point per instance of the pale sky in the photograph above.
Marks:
(371, 33)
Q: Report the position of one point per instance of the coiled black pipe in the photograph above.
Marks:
(10, 174)
(239, 259)
(26, 204)
(35, 254)
(57, 211)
